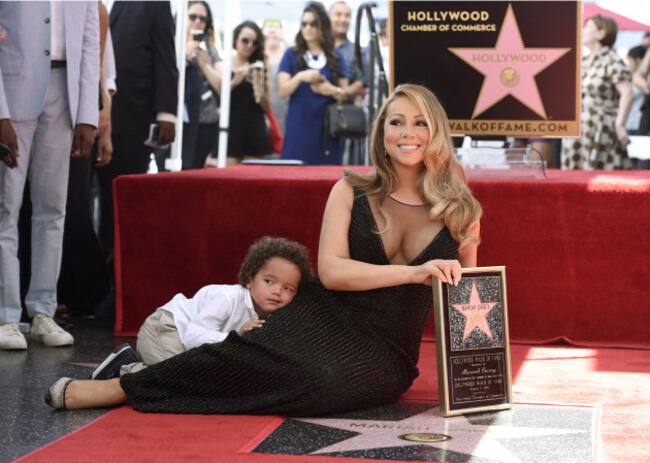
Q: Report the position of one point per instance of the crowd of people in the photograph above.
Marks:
(116, 70)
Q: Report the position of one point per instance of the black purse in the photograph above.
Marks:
(345, 120)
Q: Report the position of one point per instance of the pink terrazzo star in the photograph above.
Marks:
(475, 312)
(509, 68)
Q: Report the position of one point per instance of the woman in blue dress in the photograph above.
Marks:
(312, 74)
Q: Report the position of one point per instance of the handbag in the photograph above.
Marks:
(345, 120)
(275, 134)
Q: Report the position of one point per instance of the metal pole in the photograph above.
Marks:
(175, 162)
(224, 116)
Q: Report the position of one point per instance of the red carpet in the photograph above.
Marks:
(576, 251)
(616, 380)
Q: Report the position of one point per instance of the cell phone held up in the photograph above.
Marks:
(198, 35)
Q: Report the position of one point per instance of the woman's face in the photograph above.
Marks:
(197, 17)
(247, 42)
(309, 27)
(591, 34)
(406, 133)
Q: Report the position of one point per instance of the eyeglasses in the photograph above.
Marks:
(309, 23)
(194, 17)
(246, 41)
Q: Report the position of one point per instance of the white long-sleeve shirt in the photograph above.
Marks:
(211, 314)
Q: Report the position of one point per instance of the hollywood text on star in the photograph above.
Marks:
(461, 21)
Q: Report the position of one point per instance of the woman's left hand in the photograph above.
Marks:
(323, 87)
(447, 271)
(622, 135)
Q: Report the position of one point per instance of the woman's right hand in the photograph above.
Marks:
(311, 76)
(240, 75)
(447, 271)
(192, 49)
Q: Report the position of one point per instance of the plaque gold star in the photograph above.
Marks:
(475, 312)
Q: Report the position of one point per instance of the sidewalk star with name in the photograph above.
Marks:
(460, 435)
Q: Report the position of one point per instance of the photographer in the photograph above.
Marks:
(201, 85)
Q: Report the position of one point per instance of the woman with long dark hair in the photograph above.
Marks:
(351, 339)
(200, 133)
(248, 135)
(312, 74)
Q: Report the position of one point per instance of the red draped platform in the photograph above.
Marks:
(576, 245)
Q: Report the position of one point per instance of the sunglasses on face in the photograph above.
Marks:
(194, 17)
(309, 23)
(246, 41)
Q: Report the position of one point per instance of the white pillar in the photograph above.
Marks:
(175, 162)
(232, 6)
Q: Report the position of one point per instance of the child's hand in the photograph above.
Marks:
(250, 325)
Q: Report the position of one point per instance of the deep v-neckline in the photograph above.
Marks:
(381, 242)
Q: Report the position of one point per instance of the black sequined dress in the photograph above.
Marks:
(327, 351)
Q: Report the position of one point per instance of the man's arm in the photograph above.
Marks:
(165, 74)
(7, 134)
(89, 68)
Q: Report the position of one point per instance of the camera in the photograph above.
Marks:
(198, 35)
(4, 151)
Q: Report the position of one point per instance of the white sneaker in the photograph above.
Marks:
(45, 330)
(11, 338)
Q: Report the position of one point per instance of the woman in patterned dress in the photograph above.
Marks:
(606, 101)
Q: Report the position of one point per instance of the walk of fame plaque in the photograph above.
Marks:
(499, 68)
(472, 342)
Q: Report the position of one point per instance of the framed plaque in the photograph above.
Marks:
(500, 68)
(472, 342)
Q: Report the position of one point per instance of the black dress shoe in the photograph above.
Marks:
(110, 368)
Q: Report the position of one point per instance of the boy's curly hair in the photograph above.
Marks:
(267, 247)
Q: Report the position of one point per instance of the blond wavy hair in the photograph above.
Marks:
(442, 183)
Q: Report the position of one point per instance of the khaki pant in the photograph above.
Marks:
(158, 340)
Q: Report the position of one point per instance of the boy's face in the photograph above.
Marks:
(274, 286)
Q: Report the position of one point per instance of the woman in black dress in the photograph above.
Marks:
(351, 339)
(250, 95)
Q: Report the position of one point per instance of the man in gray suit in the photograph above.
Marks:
(49, 81)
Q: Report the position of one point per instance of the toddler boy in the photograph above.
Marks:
(269, 278)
